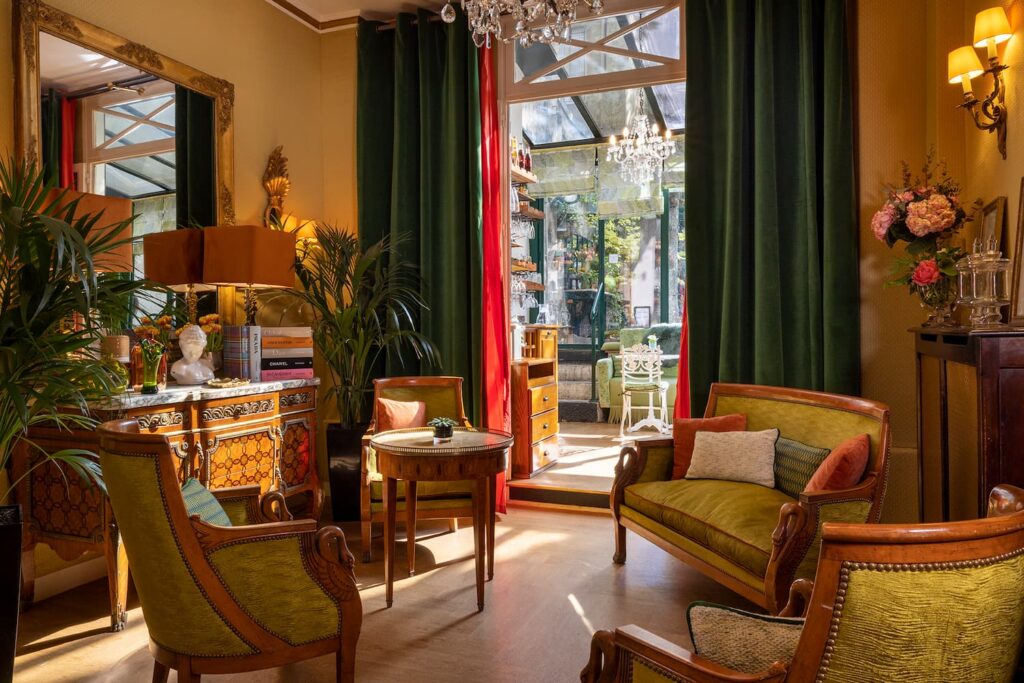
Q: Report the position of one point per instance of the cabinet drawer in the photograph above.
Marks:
(543, 398)
(234, 410)
(162, 421)
(544, 425)
(544, 453)
(297, 400)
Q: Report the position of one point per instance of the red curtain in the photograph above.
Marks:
(495, 353)
(67, 143)
(682, 408)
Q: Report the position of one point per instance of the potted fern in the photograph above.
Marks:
(365, 305)
(49, 369)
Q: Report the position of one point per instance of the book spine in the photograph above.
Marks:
(286, 363)
(288, 352)
(272, 375)
(288, 342)
(254, 353)
(288, 331)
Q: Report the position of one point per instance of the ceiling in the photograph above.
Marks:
(68, 67)
(324, 11)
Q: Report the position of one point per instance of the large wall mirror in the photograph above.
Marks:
(107, 116)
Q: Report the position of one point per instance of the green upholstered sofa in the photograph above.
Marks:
(750, 538)
(609, 370)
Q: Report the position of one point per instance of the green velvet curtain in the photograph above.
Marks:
(418, 164)
(51, 135)
(771, 195)
(195, 170)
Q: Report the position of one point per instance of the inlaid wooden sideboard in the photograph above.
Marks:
(263, 433)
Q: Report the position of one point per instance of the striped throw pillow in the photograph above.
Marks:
(199, 501)
(795, 464)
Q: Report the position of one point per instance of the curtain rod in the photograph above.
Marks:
(390, 25)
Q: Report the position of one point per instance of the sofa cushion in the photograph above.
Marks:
(200, 502)
(795, 464)
(735, 456)
(684, 431)
(843, 467)
(734, 519)
(400, 414)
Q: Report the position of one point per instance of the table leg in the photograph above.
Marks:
(479, 542)
(390, 505)
(410, 524)
(492, 506)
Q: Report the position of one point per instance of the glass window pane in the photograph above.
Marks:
(632, 272)
(597, 62)
(110, 126)
(123, 184)
(159, 169)
(610, 110)
(659, 37)
(166, 116)
(143, 133)
(552, 121)
(143, 107)
(672, 102)
(676, 256)
(571, 265)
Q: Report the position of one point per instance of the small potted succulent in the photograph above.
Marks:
(444, 429)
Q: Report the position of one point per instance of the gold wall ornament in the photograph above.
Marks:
(140, 54)
(277, 184)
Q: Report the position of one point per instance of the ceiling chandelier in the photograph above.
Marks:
(642, 152)
(484, 17)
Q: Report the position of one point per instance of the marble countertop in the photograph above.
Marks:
(181, 394)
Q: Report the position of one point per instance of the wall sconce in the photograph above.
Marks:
(991, 27)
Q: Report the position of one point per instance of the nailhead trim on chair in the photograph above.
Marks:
(627, 667)
(844, 584)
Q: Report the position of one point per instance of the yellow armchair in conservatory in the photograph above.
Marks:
(219, 598)
(442, 397)
(929, 602)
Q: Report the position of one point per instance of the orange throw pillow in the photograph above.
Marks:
(844, 466)
(684, 432)
(400, 414)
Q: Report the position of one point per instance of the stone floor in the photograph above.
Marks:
(554, 585)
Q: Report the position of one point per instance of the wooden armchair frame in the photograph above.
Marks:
(324, 552)
(367, 515)
(799, 522)
(929, 546)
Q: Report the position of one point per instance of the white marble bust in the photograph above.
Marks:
(191, 369)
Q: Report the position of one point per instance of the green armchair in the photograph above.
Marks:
(929, 602)
(434, 500)
(609, 370)
(226, 599)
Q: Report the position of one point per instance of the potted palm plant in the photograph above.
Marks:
(49, 368)
(365, 305)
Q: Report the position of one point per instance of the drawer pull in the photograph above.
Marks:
(547, 398)
(545, 425)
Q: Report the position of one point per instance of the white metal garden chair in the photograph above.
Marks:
(642, 374)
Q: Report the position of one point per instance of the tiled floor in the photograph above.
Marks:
(554, 584)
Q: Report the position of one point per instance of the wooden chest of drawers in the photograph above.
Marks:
(534, 416)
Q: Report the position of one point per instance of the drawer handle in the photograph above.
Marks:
(547, 398)
(545, 425)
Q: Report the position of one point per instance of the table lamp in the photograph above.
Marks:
(248, 256)
(175, 259)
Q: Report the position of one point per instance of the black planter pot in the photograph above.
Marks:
(444, 432)
(343, 458)
(10, 587)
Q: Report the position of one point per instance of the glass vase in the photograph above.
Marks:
(938, 299)
(136, 370)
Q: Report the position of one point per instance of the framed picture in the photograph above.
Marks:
(1017, 256)
(642, 316)
(993, 217)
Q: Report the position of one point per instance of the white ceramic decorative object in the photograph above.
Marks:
(192, 369)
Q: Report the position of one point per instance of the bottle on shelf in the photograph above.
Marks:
(529, 159)
(515, 151)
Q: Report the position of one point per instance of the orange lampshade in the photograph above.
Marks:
(248, 256)
(174, 258)
(115, 211)
(963, 64)
(991, 24)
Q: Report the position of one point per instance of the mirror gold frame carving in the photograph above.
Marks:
(32, 17)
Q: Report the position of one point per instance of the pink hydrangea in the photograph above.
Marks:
(883, 220)
(931, 215)
(906, 196)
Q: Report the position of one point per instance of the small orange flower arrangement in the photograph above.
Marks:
(160, 329)
(210, 324)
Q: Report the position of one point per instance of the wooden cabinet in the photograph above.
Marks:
(534, 416)
(970, 436)
(263, 434)
(541, 341)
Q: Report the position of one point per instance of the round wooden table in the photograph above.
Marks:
(412, 455)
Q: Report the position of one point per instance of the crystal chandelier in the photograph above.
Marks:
(642, 152)
(484, 17)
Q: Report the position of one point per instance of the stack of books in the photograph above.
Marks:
(242, 352)
(287, 353)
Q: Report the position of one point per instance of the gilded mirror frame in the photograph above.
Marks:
(32, 17)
